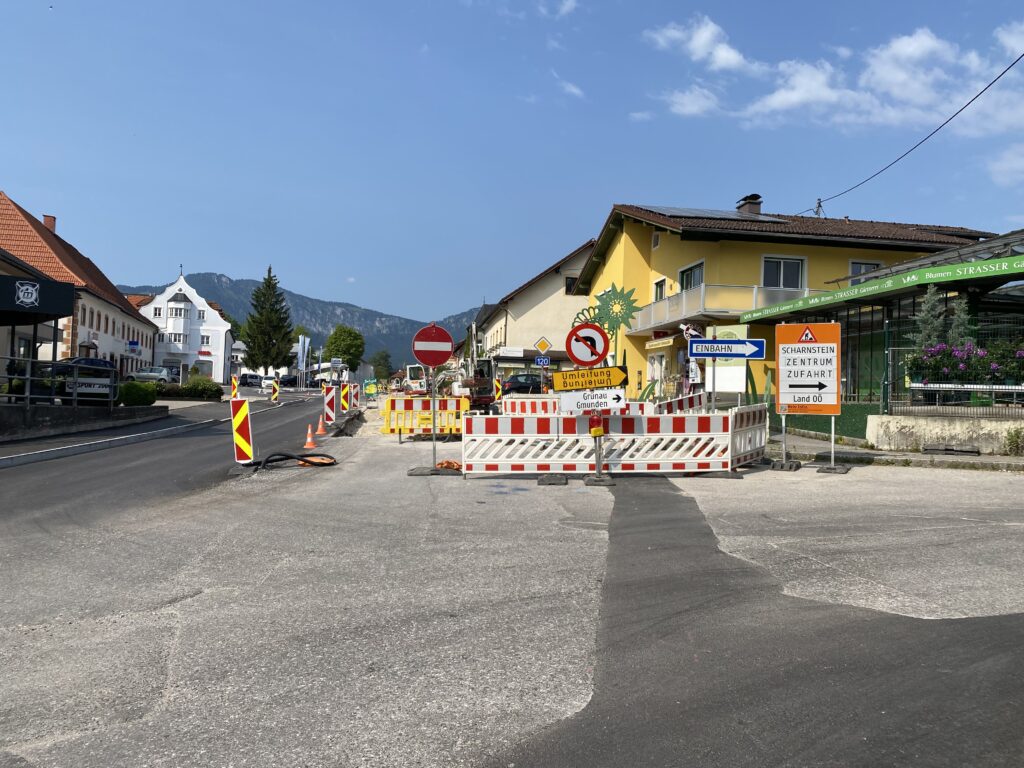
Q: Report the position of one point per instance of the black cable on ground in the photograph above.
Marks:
(303, 459)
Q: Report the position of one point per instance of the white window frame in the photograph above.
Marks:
(204, 340)
(687, 268)
(783, 257)
(200, 314)
(157, 311)
(856, 280)
(664, 289)
(655, 240)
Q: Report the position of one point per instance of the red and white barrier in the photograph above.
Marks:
(683, 404)
(529, 404)
(632, 443)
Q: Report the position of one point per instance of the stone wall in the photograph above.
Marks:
(20, 423)
(911, 433)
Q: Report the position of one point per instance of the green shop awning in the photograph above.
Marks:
(1005, 269)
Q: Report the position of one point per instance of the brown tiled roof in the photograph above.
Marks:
(26, 237)
(219, 310)
(139, 300)
(811, 227)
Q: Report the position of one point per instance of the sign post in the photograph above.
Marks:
(807, 356)
(432, 346)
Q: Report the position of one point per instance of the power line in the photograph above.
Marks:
(948, 120)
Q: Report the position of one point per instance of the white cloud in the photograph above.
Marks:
(565, 8)
(1011, 37)
(640, 117)
(568, 88)
(914, 80)
(693, 102)
(1007, 170)
(350, 279)
(703, 41)
(554, 44)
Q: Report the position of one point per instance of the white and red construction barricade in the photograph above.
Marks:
(632, 443)
(683, 404)
(529, 404)
(411, 415)
(330, 403)
(748, 434)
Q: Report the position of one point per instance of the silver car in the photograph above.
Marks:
(155, 373)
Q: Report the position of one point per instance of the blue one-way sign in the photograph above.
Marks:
(750, 349)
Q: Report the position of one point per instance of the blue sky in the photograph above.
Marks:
(418, 157)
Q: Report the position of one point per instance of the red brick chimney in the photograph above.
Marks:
(50, 222)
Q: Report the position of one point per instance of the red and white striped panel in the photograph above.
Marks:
(660, 424)
(510, 425)
(423, 404)
(749, 434)
(630, 409)
(529, 405)
(683, 404)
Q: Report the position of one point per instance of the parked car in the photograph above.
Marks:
(249, 380)
(153, 373)
(267, 382)
(522, 383)
(86, 365)
(289, 381)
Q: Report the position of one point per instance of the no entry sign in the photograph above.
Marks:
(432, 346)
(587, 344)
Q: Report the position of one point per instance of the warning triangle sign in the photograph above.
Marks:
(807, 335)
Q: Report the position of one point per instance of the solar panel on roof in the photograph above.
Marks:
(710, 213)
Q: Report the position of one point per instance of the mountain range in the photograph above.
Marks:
(380, 330)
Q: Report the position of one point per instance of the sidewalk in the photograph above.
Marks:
(808, 449)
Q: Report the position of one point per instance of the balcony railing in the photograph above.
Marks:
(714, 300)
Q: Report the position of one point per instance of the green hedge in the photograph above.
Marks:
(137, 393)
(852, 422)
(198, 387)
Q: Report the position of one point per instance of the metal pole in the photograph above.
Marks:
(832, 443)
(597, 456)
(714, 366)
(784, 459)
(433, 417)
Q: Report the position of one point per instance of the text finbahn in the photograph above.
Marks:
(749, 349)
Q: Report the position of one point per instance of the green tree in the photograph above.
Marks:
(929, 320)
(962, 329)
(236, 327)
(346, 343)
(381, 362)
(268, 329)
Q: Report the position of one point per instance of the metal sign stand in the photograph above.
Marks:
(433, 419)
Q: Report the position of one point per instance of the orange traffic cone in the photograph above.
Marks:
(321, 430)
(310, 442)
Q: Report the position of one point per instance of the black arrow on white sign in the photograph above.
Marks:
(819, 386)
(617, 399)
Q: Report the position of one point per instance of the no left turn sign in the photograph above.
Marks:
(587, 344)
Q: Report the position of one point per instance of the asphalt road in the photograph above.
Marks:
(703, 661)
(84, 488)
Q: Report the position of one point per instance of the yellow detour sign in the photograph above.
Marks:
(807, 356)
(589, 378)
(241, 430)
(234, 387)
(497, 389)
(411, 415)
(344, 399)
(275, 391)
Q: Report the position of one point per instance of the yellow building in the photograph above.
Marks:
(703, 268)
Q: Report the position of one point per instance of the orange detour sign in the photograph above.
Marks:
(807, 356)
(234, 387)
(330, 403)
(241, 430)
(343, 398)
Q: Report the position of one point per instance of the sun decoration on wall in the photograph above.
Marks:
(616, 308)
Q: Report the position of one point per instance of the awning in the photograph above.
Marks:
(30, 300)
(998, 271)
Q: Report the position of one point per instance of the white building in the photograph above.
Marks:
(192, 332)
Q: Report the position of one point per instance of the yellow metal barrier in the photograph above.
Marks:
(411, 415)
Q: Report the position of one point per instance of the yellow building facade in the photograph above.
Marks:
(703, 268)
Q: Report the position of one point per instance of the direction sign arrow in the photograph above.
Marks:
(749, 349)
(590, 400)
(819, 386)
(589, 378)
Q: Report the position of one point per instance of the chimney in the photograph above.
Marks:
(50, 222)
(749, 204)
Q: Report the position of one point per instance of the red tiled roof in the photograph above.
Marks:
(139, 300)
(26, 237)
(219, 310)
(812, 227)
